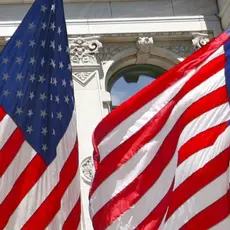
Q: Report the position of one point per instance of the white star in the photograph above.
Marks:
(51, 97)
(57, 99)
(18, 43)
(32, 77)
(67, 49)
(29, 129)
(32, 60)
(44, 148)
(41, 79)
(19, 111)
(59, 116)
(43, 113)
(43, 8)
(61, 65)
(52, 63)
(59, 48)
(30, 112)
(31, 95)
(54, 81)
(66, 99)
(43, 43)
(44, 131)
(53, 133)
(32, 43)
(59, 30)
(64, 83)
(19, 76)
(71, 83)
(44, 25)
(5, 76)
(43, 96)
(6, 93)
(19, 60)
(52, 27)
(42, 61)
(19, 94)
(5, 60)
(53, 8)
(52, 44)
(31, 26)
(69, 67)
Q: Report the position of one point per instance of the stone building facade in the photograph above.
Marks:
(106, 36)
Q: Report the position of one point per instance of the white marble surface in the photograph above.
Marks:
(194, 7)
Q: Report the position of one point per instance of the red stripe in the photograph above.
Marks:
(202, 140)
(10, 150)
(2, 113)
(134, 191)
(73, 220)
(210, 216)
(199, 180)
(153, 90)
(22, 186)
(154, 219)
(52, 204)
(127, 149)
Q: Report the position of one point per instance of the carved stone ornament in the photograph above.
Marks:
(83, 77)
(83, 50)
(200, 40)
(108, 52)
(181, 48)
(87, 170)
(144, 46)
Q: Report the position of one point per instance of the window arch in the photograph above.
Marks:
(131, 79)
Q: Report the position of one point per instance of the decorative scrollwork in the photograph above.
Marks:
(200, 40)
(87, 170)
(83, 50)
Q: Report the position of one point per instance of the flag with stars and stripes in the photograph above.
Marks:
(168, 150)
(39, 175)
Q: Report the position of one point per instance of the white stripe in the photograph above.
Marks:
(206, 121)
(7, 127)
(134, 122)
(19, 163)
(47, 181)
(148, 202)
(198, 202)
(223, 225)
(201, 158)
(69, 199)
(124, 175)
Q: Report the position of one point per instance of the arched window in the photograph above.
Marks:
(131, 79)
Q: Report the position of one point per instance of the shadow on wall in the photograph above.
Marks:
(131, 9)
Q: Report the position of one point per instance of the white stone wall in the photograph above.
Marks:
(114, 34)
(224, 13)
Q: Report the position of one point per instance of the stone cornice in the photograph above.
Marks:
(127, 25)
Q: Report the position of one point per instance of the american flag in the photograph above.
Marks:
(39, 176)
(162, 157)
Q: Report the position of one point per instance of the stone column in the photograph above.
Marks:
(86, 69)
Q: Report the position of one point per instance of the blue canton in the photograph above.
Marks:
(36, 87)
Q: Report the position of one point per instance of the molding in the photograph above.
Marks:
(128, 25)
